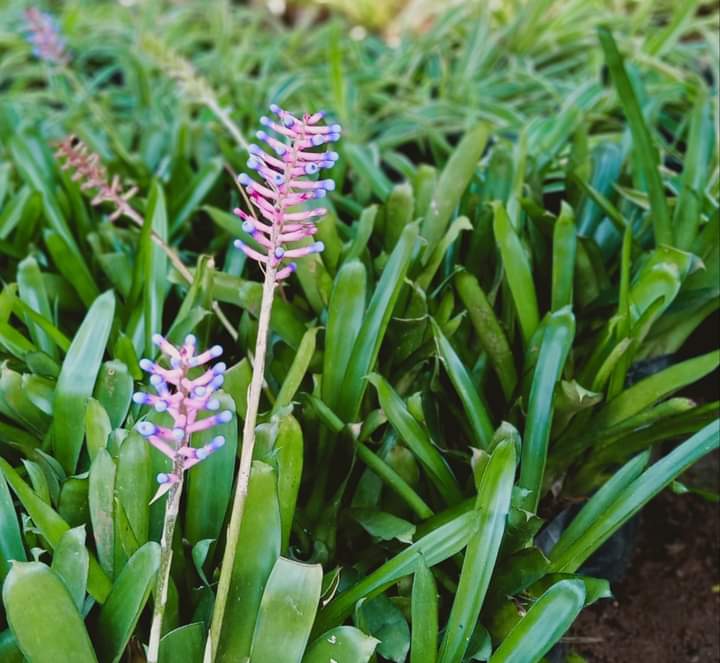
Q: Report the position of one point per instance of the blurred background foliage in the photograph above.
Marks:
(522, 264)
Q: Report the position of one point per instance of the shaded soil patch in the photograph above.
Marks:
(667, 608)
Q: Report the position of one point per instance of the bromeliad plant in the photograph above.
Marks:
(501, 246)
(184, 395)
(279, 225)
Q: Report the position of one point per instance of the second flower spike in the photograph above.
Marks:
(184, 398)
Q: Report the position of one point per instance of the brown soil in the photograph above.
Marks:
(667, 608)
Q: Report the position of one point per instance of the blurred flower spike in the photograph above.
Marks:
(92, 176)
(43, 33)
(184, 398)
(285, 165)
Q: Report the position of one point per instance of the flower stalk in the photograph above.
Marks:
(183, 397)
(280, 223)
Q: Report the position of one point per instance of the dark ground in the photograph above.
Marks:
(667, 608)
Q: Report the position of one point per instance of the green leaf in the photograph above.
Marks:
(195, 192)
(518, 272)
(472, 403)
(31, 289)
(381, 618)
(154, 264)
(120, 614)
(71, 265)
(564, 243)
(97, 428)
(113, 390)
(644, 147)
(260, 534)
(490, 333)
(493, 506)
(345, 317)
(210, 483)
(183, 644)
(361, 161)
(435, 547)
(417, 440)
(384, 526)
(101, 500)
(633, 497)
(289, 459)
(53, 527)
(369, 339)
(77, 379)
(296, 372)
(344, 644)
(11, 543)
(286, 612)
(71, 563)
(134, 484)
(556, 343)
(41, 614)
(543, 625)
(649, 391)
(452, 183)
(599, 503)
(424, 612)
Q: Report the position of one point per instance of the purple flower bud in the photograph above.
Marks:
(191, 339)
(162, 477)
(318, 247)
(244, 179)
(156, 380)
(317, 139)
(217, 382)
(224, 417)
(264, 121)
(201, 453)
(216, 350)
(249, 227)
(157, 339)
(219, 368)
(160, 406)
(217, 442)
(320, 193)
(140, 398)
(335, 129)
(333, 156)
(279, 252)
(178, 434)
(253, 163)
(212, 404)
(147, 365)
(311, 168)
(275, 108)
(199, 391)
(145, 428)
(254, 149)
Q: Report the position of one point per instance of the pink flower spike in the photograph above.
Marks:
(280, 197)
(183, 399)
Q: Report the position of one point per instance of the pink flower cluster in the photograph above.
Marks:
(280, 199)
(183, 398)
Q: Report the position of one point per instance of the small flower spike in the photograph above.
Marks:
(284, 165)
(43, 33)
(89, 171)
(183, 398)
